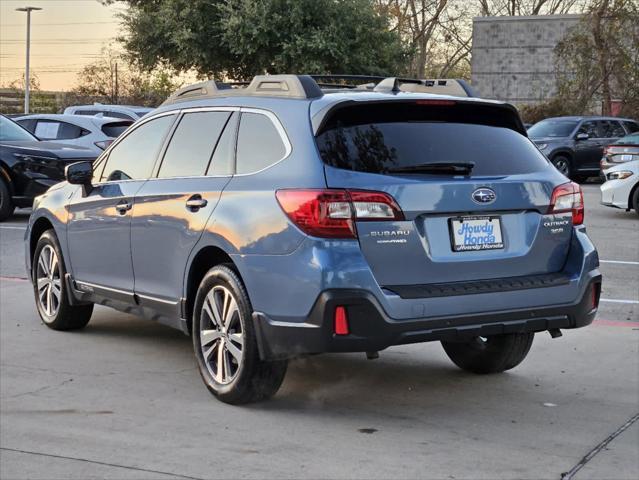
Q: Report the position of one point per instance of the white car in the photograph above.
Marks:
(126, 112)
(621, 188)
(95, 133)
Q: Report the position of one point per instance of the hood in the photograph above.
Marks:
(60, 150)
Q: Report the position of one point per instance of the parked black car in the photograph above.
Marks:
(575, 144)
(28, 167)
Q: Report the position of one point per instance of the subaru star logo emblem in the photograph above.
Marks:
(484, 195)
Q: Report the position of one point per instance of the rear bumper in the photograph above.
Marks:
(371, 329)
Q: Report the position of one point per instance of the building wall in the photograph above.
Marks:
(512, 57)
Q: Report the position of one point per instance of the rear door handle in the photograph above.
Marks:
(123, 207)
(195, 202)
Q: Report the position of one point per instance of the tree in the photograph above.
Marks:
(242, 38)
(530, 7)
(112, 78)
(599, 59)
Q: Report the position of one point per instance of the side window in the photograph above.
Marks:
(632, 127)
(27, 124)
(589, 127)
(616, 129)
(134, 156)
(224, 156)
(610, 129)
(89, 113)
(259, 144)
(192, 144)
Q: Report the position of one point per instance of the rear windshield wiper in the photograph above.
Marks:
(463, 168)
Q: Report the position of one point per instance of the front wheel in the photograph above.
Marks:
(635, 200)
(50, 289)
(562, 163)
(225, 344)
(493, 354)
(6, 204)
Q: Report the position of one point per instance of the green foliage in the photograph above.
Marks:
(599, 59)
(242, 38)
(556, 107)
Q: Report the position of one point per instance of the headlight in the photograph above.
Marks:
(619, 175)
(542, 146)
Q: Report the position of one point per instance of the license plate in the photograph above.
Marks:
(475, 233)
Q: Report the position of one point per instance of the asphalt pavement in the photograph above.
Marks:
(123, 399)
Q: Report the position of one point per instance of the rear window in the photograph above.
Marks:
(375, 140)
(114, 129)
(632, 126)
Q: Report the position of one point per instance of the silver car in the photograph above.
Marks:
(95, 133)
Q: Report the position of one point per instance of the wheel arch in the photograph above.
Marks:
(206, 258)
(6, 177)
(40, 226)
(632, 192)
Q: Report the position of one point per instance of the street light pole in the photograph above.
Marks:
(27, 80)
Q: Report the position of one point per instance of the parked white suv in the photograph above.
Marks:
(127, 112)
(95, 133)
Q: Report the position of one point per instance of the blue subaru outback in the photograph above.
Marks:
(283, 219)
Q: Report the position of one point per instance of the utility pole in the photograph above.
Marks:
(27, 79)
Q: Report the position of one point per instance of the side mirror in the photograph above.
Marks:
(582, 136)
(80, 173)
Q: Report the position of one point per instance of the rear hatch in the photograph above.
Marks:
(485, 217)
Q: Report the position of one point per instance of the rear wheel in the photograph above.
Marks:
(50, 289)
(494, 354)
(6, 204)
(562, 163)
(225, 344)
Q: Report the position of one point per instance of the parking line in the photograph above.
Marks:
(611, 300)
(619, 262)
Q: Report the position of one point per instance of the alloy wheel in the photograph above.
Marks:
(562, 165)
(48, 281)
(221, 335)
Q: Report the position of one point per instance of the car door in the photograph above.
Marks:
(172, 209)
(98, 229)
(588, 151)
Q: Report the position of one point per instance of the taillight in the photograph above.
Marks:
(568, 198)
(332, 213)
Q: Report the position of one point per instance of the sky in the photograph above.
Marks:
(65, 36)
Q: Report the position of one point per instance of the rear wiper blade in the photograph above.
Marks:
(437, 167)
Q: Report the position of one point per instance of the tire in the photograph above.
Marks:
(563, 164)
(230, 342)
(635, 200)
(6, 204)
(50, 289)
(493, 354)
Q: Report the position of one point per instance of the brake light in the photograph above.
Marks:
(341, 321)
(332, 213)
(568, 198)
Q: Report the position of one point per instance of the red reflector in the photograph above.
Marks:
(341, 321)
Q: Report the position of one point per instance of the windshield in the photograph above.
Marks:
(12, 132)
(552, 128)
(632, 139)
(389, 138)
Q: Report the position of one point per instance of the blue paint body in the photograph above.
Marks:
(140, 262)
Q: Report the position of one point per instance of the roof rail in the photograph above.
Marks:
(291, 86)
(310, 86)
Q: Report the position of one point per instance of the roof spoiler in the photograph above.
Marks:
(310, 86)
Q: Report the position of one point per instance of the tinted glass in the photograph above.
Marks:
(631, 126)
(192, 144)
(134, 156)
(610, 129)
(259, 143)
(53, 130)
(115, 129)
(11, 132)
(141, 113)
(552, 128)
(224, 156)
(589, 128)
(377, 147)
(86, 112)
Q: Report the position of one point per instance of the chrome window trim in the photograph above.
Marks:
(121, 138)
(288, 148)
